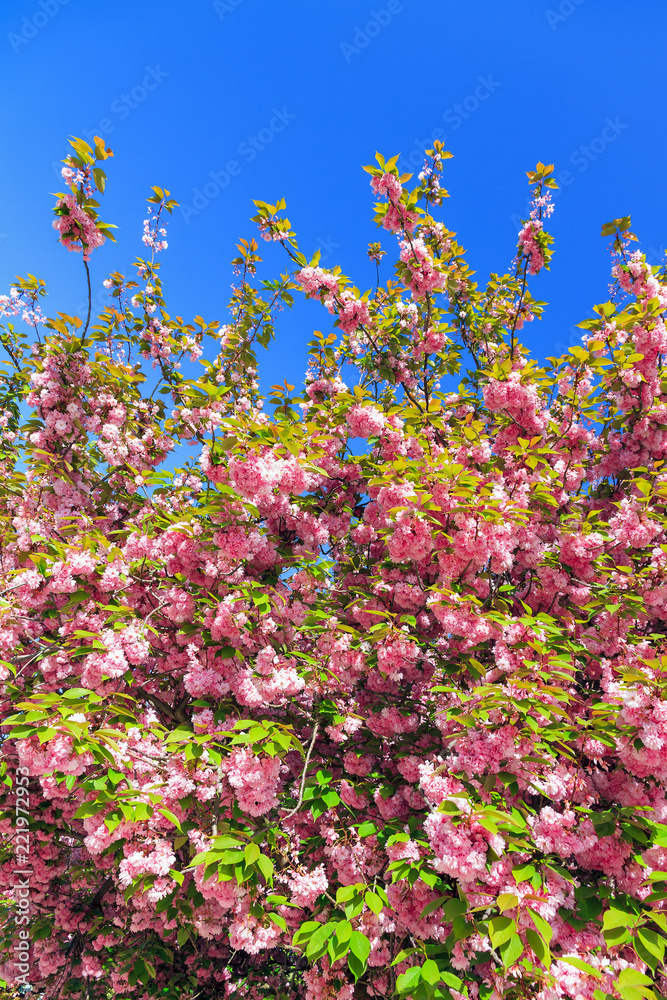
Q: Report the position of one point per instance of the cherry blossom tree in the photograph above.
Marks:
(362, 698)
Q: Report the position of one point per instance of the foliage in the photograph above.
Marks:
(320, 717)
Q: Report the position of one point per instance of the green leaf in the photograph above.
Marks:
(433, 906)
(88, 809)
(73, 693)
(507, 901)
(637, 993)
(454, 908)
(634, 985)
(654, 943)
(604, 822)
(360, 945)
(431, 972)
(617, 925)
(633, 977)
(168, 814)
(462, 928)
(523, 872)
(545, 929)
(305, 932)
(360, 949)
(409, 980)
(430, 878)
(226, 841)
(403, 954)
(346, 892)
(344, 930)
(355, 965)
(501, 930)
(226, 857)
(318, 942)
(337, 949)
(265, 865)
(511, 950)
(251, 853)
(373, 902)
(579, 963)
(539, 946)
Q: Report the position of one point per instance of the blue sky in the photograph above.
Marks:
(243, 99)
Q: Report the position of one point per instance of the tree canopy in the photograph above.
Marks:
(362, 697)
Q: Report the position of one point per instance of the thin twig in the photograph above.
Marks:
(90, 300)
(305, 771)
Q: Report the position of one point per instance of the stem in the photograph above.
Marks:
(216, 816)
(10, 352)
(305, 771)
(524, 282)
(90, 300)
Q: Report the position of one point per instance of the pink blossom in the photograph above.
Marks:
(387, 184)
(529, 247)
(313, 280)
(460, 851)
(76, 228)
(411, 539)
(365, 421)
(308, 886)
(254, 780)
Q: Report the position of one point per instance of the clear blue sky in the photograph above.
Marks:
(299, 94)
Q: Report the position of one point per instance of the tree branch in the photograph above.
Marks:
(305, 771)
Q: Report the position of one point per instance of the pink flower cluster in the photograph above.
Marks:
(397, 217)
(365, 421)
(529, 246)
(76, 228)
(389, 185)
(308, 886)
(254, 780)
(352, 312)
(460, 851)
(520, 400)
(422, 274)
(314, 280)
(153, 230)
(18, 302)
(410, 540)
